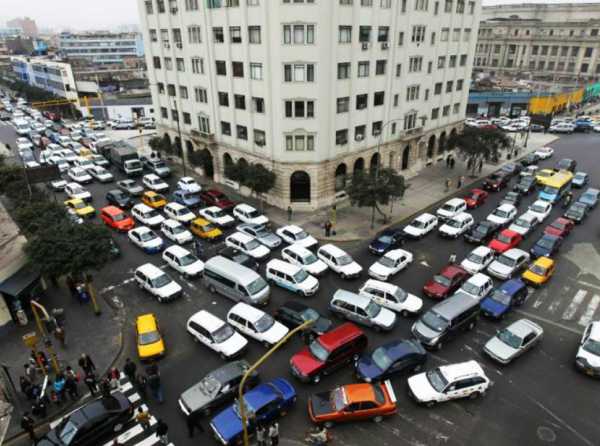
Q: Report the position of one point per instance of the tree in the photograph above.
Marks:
(371, 189)
(478, 144)
(155, 143)
(236, 172)
(259, 179)
(35, 216)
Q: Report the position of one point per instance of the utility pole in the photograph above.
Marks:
(180, 137)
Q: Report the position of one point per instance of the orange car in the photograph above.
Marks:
(353, 402)
(116, 218)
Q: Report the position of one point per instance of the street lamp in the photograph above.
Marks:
(180, 137)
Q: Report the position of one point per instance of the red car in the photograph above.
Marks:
(213, 197)
(506, 240)
(476, 198)
(116, 218)
(445, 283)
(560, 227)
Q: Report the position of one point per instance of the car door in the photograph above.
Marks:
(528, 342)
(360, 316)
(378, 296)
(458, 389)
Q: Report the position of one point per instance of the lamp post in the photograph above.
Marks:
(180, 137)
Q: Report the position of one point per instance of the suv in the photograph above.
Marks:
(291, 277)
(451, 208)
(248, 245)
(213, 332)
(339, 261)
(304, 258)
(257, 324)
(154, 280)
(328, 352)
(362, 310)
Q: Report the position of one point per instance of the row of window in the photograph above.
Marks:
(487, 32)
(415, 65)
(540, 65)
(418, 34)
(543, 50)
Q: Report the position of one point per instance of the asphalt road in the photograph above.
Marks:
(537, 400)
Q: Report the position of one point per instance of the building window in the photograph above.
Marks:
(383, 34)
(460, 6)
(200, 95)
(180, 64)
(161, 88)
(160, 6)
(341, 137)
(197, 65)
(588, 52)
(410, 120)
(223, 99)
(366, 2)
(168, 63)
(299, 34)
(446, 110)
(415, 64)
(364, 35)
(398, 70)
(240, 101)
(299, 109)
(412, 93)
(551, 66)
(459, 84)
(148, 5)
(467, 35)
(258, 105)
(471, 8)
(435, 113)
(401, 38)
(235, 34)
(194, 34)
(449, 86)
(386, 4)
(437, 88)
(463, 60)
(343, 105)
(343, 70)
(433, 38)
(345, 34)
(299, 142)
(418, 34)
(225, 128)
(544, 50)
(396, 99)
(441, 62)
(359, 132)
(171, 90)
(183, 92)
(362, 101)
(164, 113)
(260, 138)
(256, 71)
(574, 51)
(153, 35)
(429, 67)
(456, 108)
(452, 62)
(448, 6)
(421, 5)
(156, 62)
(564, 50)
(191, 5)
(221, 67)
(241, 132)
(444, 35)
(380, 67)
(456, 34)
(177, 37)
(378, 98)
(584, 67)
(174, 115)
(218, 35)
(187, 118)
(363, 69)
(238, 69)
(376, 128)
(299, 73)
(254, 34)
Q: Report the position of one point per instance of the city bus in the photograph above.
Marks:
(555, 187)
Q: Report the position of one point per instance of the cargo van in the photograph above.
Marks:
(291, 277)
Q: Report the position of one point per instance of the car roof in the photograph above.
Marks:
(207, 320)
(452, 270)
(283, 266)
(152, 176)
(142, 207)
(294, 229)
(171, 223)
(396, 253)
(229, 371)
(241, 236)
(528, 216)
(544, 262)
(150, 270)
(512, 286)
(452, 372)
(425, 217)
(333, 250)
(356, 393)
(506, 207)
(514, 253)
(509, 233)
(478, 279)
(592, 190)
(246, 311)
(482, 250)
(177, 250)
(455, 201)
(353, 298)
(146, 323)
(541, 202)
(462, 216)
(200, 221)
(111, 210)
(245, 207)
(398, 349)
(299, 250)
(150, 193)
(380, 285)
(212, 209)
(340, 335)
(175, 206)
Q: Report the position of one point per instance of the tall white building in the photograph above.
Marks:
(309, 87)
(101, 47)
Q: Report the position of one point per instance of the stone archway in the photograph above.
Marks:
(300, 187)
(452, 137)
(227, 160)
(209, 168)
(359, 165)
(375, 161)
(431, 147)
(340, 177)
(405, 158)
(442, 143)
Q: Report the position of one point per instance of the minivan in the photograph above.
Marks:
(154, 280)
(291, 277)
(235, 281)
(445, 320)
(362, 310)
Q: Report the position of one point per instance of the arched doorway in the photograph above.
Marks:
(405, 157)
(178, 148)
(442, 143)
(167, 138)
(300, 187)
(340, 177)
(207, 163)
(375, 161)
(189, 148)
(359, 165)
(227, 161)
(431, 146)
(452, 138)
(392, 159)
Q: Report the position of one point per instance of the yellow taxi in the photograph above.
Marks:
(149, 341)
(80, 208)
(543, 175)
(205, 229)
(539, 272)
(154, 200)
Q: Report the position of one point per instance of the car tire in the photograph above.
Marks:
(405, 313)
(474, 395)
(378, 419)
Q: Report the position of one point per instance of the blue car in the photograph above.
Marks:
(501, 300)
(385, 241)
(590, 197)
(580, 179)
(264, 403)
(390, 359)
(546, 246)
(187, 198)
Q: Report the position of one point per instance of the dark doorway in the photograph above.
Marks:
(340, 177)
(300, 187)
(405, 157)
(431, 146)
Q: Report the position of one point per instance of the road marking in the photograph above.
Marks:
(556, 302)
(424, 263)
(589, 285)
(547, 321)
(569, 313)
(112, 287)
(587, 316)
(540, 298)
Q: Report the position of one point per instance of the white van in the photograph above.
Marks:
(154, 280)
(307, 260)
(146, 215)
(257, 324)
(291, 277)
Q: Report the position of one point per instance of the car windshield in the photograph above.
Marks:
(587, 197)
(545, 173)
(253, 214)
(448, 207)
(77, 190)
(509, 338)
(344, 260)
(187, 259)
(257, 286)
(381, 358)
(511, 196)
(419, 224)
(148, 338)
(152, 213)
(262, 233)
(454, 223)
(387, 239)
(545, 242)
(442, 280)
(538, 269)
(437, 379)
(147, 236)
(218, 214)
(309, 315)
(264, 323)
(579, 176)
(209, 385)
(500, 213)
(522, 223)
(372, 310)
(434, 321)
(470, 288)
(592, 346)
(475, 258)
(161, 281)
(474, 196)
(222, 333)
(506, 260)
(504, 238)
(208, 227)
(558, 225)
(300, 276)
(310, 259)
(338, 399)
(500, 297)
(387, 262)
(178, 229)
(401, 295)
(537, 208)
(119, 217)
(481, 229)
(252, 244)
(300, 235)
(318, 351)
(68, 432)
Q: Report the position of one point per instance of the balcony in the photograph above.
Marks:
(202, 138)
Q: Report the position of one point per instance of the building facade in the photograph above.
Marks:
(55, 77)
(101, 47)
(548, 41)
(28, 26)
(312, 89)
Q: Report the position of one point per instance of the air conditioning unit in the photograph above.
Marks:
(179, 45)
(359, 137)
(174, 10)
(365, 46)
(385, 46)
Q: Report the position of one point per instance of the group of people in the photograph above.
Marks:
(267, 435)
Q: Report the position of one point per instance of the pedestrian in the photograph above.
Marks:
(274, 434)
(28, 425)
(448, 184)
(129, 369)
(141, 382)
(480, 166)
(105, 387)
(156, 387)
(452, 259)
(92, 383)
(448, 161)
(114, 377)
(86, 363)
(69, 372)
(199, 248)
(71, 387)
(59, 386)
(39, 408)
(469, 163)
(327, 228)
(152, 369)
(59, 334)
(143, 417)
(452, 162)
(72, 286)
(193, 422)
(162, 431)
(289, 213)
(261, 435)
(30, 372)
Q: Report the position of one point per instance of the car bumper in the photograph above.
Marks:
(376, 251)
(587, 370)
(153, 250)
(299, 376)
(491, 315)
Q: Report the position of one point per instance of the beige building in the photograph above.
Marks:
(548, 41)
(309, 88)
(28, 26)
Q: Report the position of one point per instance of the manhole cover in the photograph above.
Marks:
(546, 434)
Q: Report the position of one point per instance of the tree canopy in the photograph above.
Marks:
(369, 189)
(480, 143)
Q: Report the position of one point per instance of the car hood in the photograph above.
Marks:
(170, 289)
(496, 219)
(592, 360)
(538, 251)
(379, 246)
(233, 344)
(449, 229)
(227, 424)
(424, 331)
(518, 229)
(471, 266)
(420, 388)
(380, 270)
(498, 246)
(435, 288)
(260, 220)
(195, 399)
(499, 349)
(366, 368)
(470, 201)
(305, 362)
(123, 202)
(275, 333)
(351, 268)
(147, 351)
(413, 303)
(270, 240)
(128, 223)
(322, 325)
(493, 307)
(411, 230)
(500, 268)
(317, 267)
(553, 231)
(307, 242)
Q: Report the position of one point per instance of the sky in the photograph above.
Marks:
(104, 14)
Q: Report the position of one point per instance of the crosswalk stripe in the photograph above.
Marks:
(134, 398)
(569, 313)
(587, 316)
(131, 433)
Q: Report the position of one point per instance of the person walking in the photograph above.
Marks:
(199, 248)
(289, 213)
(156, 387)
(28, 425)
(480, 167)
(143, 417)
(130, 369)
(162, 431)
(30, 372)
(448, 161)
(86, 363)
(274, 434)
(59, 334)
(448, 184)
(114, 378)
(261, 435)
(59, 386)
(25, 386)
(71, 387)
(452, 162)
(141, 383)
(72, 287)
(193, 423)
(92, 383)
(327, 228)
(452, 259)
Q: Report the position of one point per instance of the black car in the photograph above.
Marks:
(511, 169)
(566, 164)
(577, 212)
(294, 313)
(530, 159)
(526, 184)
(89, 424)
(546, 246)
(239, 257)
(513, 198)
(387, 240)
(495, 182)
(217, 388)
(118, 198)
(391, 359)
(482, 232)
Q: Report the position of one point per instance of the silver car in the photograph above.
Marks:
(130, 187)
(260, 233)
(513, 341)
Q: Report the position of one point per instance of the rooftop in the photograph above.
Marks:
(12, 257)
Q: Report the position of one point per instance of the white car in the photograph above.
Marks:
(79, 175)
(540, 209)
(182, 261)
(188, 184)
(101, 174)
(178, 212)
(477, 286)
(451, 208)
(176, 232)
(421, 226)
(562, 127)
(146, 239)
(392, 297)
(478, 259)
(256, 323)
(390, 263)
(24, 143)
(449, 382)
(247, 214)
(457, 225)
(74, 190)
(146, 215)
(84, 163)
(154, 280)
(216, 334)
(217, 216)
(305, 259)
(248, 245)
(65, 141)
(293, 234)
(503, 214)
(587, 358)
(339, 261)
(524, 224)
(508, 263)
(155, 183)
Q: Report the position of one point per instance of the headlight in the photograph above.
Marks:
(367, 380)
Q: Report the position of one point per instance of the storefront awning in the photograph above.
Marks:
(19, 281)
